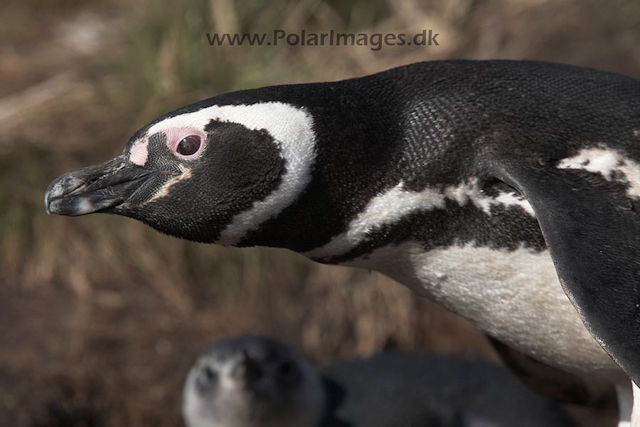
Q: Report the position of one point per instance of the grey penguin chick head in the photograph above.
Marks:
(252, 381)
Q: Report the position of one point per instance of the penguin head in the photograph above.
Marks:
(252, 381)
(208, 173)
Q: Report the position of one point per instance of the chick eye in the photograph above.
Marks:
(189, 145)
(208, 374)
(287, 369)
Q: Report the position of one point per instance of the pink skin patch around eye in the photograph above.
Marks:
(175, 135)
(139, 153)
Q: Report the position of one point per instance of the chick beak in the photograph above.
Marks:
(247, 370)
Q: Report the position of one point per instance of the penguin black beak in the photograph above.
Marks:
(94, 188)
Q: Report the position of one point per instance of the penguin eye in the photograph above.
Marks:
(287, 369)
(208, 374)
(189, 145)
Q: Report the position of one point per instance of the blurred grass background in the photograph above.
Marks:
(100, 317)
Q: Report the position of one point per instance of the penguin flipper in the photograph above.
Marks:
(592, 229)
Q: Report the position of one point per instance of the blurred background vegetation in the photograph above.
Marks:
(100, 317)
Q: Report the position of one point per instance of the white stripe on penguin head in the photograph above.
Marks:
(292, 130)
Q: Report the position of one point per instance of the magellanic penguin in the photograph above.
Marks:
(507, 191)
(254, 381)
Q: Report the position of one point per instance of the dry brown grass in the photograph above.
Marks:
(99, 316)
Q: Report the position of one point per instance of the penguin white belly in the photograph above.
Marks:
(513, 295)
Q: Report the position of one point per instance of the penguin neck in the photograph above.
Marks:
(360, 152)
(387, 147)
